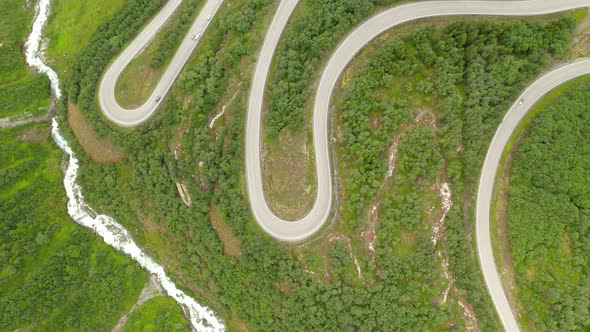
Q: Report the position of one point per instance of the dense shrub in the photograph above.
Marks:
(549, 215)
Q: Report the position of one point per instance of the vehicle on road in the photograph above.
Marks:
(302, 229)
(196, 36)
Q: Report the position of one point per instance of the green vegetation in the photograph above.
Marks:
(54, 275)
(275, 293)
(143, 73)
(71, 24)
(158, 314)
(444, 91)
(498, 215)
(21, 93)
(15, 20)
(178, 236)
(465, 76)
(314, 30)
(548, 219)
(121, 26)
(419, 157)
(311, 36)
(30, 94)
(171, 37)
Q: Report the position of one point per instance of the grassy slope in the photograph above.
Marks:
(158, 314)
(21, 91)
(15, 20)
(138, 79)
(71, 25)
(54, 274)
(69, 28)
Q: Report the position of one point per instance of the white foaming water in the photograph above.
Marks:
(201, 318)
(32, 46)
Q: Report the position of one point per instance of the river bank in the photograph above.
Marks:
(201, 318)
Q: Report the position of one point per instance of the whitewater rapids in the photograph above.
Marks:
(201, 318)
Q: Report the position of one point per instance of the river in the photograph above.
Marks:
(201, 318)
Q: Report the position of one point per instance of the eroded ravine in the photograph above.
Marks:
(201, 318)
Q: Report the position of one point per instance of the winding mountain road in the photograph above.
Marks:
(486, 182)
(106, 93)
(294, 231)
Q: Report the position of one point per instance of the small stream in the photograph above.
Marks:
(201, 318)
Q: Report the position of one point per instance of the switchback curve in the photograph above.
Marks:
(106, 94)
(293, 231)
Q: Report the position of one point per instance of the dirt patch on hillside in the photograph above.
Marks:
(36, 134)
(149, 224)
(231, 244)
(567, 244)
(237, 324)
(580, 46)
(99, 149)
(149, 291)
(289, 177)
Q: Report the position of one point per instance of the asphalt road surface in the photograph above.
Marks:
(106, 93)
(299, 230)
(294, 231)
(486, 181)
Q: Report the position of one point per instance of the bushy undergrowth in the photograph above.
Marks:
(549, 215)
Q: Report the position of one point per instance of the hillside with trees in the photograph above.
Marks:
(549, 215)
(213, 244)
(428, 103)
